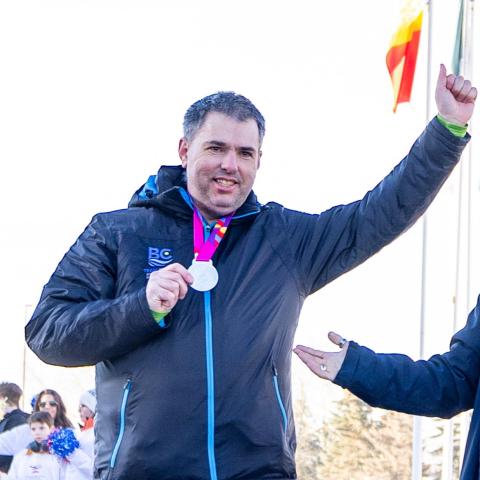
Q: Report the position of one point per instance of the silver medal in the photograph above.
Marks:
(205, 275)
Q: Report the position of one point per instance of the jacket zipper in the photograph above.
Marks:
(210, 379)
(279, 399)
(123, 408)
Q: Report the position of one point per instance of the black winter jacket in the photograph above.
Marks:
(208, 397)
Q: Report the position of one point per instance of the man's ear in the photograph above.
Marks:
(182, 151)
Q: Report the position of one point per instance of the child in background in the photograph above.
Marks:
(36, 462)
(53, 454)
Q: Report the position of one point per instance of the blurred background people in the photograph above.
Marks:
(10, 394)
(18, 438)
(87, 408)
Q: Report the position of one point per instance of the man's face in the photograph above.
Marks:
(40, 431)
(222, 160)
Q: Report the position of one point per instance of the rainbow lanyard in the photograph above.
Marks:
(204, 249)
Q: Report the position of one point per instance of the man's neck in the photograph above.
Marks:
(207, 214)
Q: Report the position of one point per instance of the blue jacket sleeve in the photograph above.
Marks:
(327, 245)
(79, 320)
(441, 386)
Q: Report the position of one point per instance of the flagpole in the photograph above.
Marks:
(468, 68)
(469, 32)
(24, 355)
(417, 461)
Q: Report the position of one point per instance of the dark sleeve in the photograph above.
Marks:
(327, 245)
(441, 386)
(15, 421)
(78, 320)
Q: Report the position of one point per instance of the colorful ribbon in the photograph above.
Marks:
(204, 249)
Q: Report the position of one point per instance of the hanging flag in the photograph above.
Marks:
(458, 50)
(402, 54)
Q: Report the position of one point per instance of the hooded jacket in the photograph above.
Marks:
(208, 396)
(442, 386)
(11, 420)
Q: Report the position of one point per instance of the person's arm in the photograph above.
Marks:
(325, 246)
(79, 320)
(79, 466)
(441, 386)
(15, 421)
(15, 440)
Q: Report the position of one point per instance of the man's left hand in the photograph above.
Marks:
(455, 97)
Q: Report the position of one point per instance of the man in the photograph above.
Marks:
(442, 386)
(193, 366)
(10, 394)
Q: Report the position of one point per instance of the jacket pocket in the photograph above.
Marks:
(121, 431)
(278, 395)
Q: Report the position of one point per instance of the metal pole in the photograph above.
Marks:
(417, 421)
(469, 33)
(24, 360)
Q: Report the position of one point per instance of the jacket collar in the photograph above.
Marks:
(167, 191)
(13, 413)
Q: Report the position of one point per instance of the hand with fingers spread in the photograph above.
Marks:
(324, 364)
(455, 97)
(166, 286)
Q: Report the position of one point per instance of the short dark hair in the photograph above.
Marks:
(12, 392)
(230, 104)
(41, 417)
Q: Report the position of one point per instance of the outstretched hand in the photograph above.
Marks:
(324, 364)
(455, 97)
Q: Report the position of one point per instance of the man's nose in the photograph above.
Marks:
(230, 161)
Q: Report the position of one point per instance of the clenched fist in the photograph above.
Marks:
(166, 286)
(455, 97)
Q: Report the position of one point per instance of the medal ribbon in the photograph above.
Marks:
(204, 249)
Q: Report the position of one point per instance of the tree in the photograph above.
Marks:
(309, 441)
(359, 443)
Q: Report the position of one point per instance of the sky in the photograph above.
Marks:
(92, 95)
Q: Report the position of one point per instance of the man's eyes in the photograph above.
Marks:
(246, 153)
(221, 149)
(215, 148)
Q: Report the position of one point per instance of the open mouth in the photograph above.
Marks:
(225, 182)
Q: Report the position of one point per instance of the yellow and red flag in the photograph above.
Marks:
(402, 54)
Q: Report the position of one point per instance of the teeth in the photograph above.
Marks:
(227, 183)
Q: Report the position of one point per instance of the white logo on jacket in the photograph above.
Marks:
(157, 258)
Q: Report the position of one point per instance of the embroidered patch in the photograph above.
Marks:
(157, 258)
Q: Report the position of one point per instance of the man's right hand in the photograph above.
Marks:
(166, 286)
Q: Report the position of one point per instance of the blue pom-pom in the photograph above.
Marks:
(62, 442)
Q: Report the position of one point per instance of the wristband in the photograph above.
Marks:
(159, 317)
(457, 130)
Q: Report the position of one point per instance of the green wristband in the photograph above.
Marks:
(457, 130)
(159, 317)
